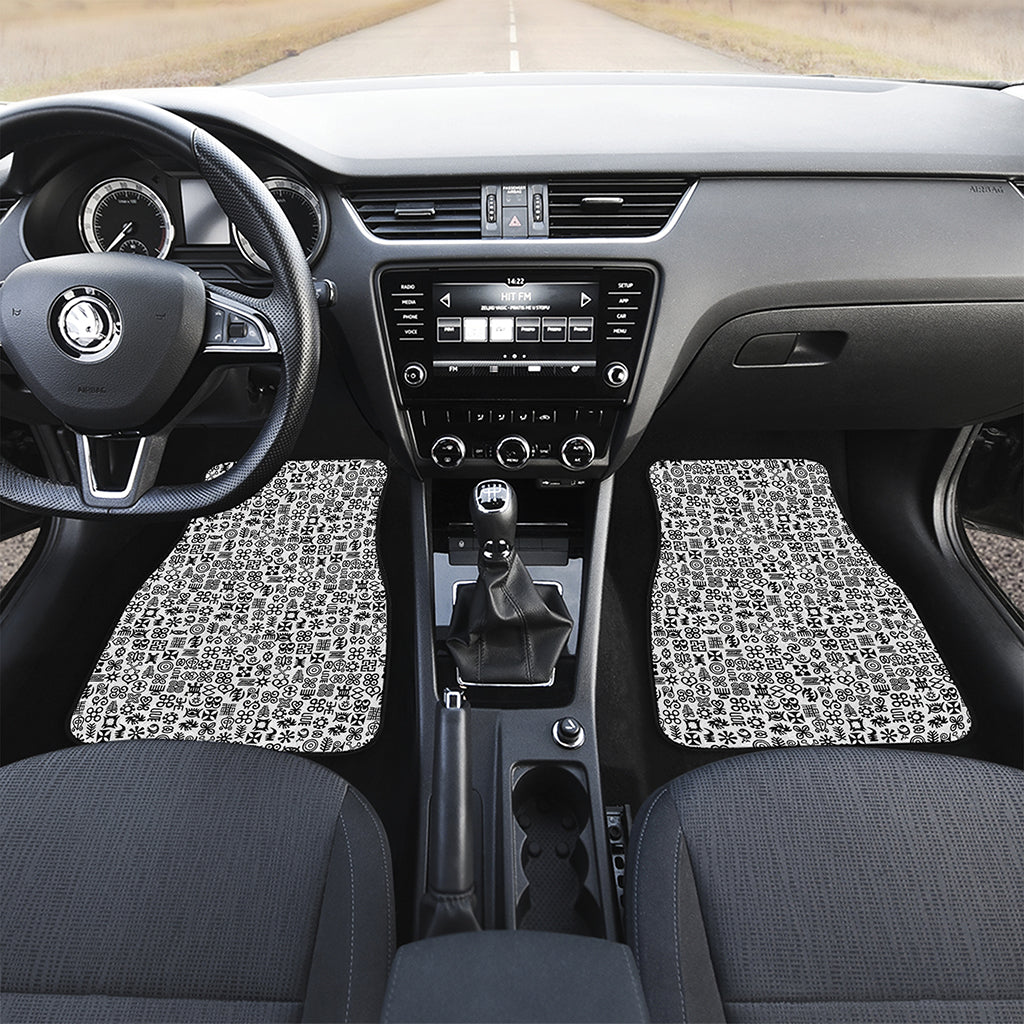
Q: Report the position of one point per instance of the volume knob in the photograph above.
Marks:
(414, 374)
(616, 374)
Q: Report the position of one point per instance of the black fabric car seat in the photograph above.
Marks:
(159, 880)
(832, 884)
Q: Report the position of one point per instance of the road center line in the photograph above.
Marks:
(513, 60)
(511, 33)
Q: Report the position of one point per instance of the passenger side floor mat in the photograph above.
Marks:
(771, 625)
(266, 625)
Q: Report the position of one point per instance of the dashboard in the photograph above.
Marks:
(526, 268)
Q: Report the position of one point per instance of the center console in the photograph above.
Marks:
(515, 365)
(520, 373)
(542, 831)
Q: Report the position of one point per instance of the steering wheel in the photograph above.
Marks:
(116, 345)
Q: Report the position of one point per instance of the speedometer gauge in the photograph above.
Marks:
(305, 212)
(123, 215)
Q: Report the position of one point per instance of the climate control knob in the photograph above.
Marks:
(448, 452)
(512, 452)
(578, 452)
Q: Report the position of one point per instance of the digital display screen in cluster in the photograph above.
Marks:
(515, 313)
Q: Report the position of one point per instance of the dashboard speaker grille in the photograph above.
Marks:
(627, 207)
(420, 211)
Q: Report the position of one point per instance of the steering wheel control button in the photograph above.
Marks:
(414, 374)
(448, 452)
(512, 452)
(578, 452)
(568, 733)
(243, 332)
(616, 374)
(86, 324)
(216, 325)
(231, 328)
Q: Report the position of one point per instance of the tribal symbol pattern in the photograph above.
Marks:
(771, 625)
(266, 625)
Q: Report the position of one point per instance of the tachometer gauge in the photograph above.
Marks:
(305, 213)
(123, 215)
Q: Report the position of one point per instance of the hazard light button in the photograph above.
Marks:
(515, 222)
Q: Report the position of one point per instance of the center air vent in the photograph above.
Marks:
(612, 207)
(441, 211)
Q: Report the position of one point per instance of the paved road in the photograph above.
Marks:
(458, 36)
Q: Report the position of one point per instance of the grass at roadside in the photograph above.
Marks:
(934, 39)
(54, 46)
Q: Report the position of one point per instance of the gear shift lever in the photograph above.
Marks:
(493, 509)
(504, 630)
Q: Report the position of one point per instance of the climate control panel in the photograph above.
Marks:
(514, 437)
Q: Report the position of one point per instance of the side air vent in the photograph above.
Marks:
(442, 211)
(612, 207)
(6, 205)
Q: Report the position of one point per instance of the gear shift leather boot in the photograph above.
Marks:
(503, 629)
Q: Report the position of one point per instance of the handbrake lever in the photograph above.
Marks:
(449, 903)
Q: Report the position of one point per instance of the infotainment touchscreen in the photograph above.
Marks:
(556, 330)
(544, 297)
(515, 313)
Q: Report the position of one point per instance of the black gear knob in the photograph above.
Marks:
(504, 629)
(493, 509)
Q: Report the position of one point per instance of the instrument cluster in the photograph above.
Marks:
(118, 201)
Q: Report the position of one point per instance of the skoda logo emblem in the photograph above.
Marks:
(85, 323)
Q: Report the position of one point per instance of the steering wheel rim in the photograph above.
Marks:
(290, 308)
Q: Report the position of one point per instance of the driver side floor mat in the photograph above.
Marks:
(771, 625)
(266, 625)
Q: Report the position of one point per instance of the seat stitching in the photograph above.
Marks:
(637, 872)
(640, 1001)
(382, 845)
(524, 629)
(846, 1002)
(675, 923)
(177, 998)
(391, 987)
(352, 913)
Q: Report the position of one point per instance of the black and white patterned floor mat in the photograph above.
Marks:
(771, 625)
(267, 624)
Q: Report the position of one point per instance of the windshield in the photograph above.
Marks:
(53, 46)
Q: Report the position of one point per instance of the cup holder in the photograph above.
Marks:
(552, 809)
